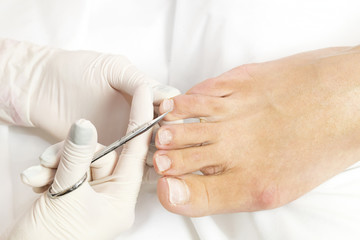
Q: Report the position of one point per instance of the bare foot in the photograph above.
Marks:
(269, 133)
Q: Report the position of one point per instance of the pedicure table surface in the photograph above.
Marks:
(181, 43)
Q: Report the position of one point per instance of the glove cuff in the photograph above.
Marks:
(20, 68)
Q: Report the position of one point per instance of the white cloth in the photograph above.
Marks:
(182, 43)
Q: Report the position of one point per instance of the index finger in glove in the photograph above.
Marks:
(104, 166)
(132, 158)
(124, 76)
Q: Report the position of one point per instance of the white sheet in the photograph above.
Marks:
(182, 43)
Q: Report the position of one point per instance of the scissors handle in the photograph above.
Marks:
(136, 132)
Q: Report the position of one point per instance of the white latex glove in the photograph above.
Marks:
(103, 207)
(52, 88)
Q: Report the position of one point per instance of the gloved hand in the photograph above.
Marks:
(103, 207)
(52, 88)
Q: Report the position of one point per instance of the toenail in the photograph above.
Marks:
(165, 136)
(163, 162)
(178, 191)
(167, 105)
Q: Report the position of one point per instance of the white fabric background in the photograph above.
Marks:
(182, 43)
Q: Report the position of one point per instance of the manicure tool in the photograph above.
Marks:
(136, 132)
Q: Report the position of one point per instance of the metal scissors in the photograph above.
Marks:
(134, 133)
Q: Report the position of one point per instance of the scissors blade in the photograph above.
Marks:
(136, 132)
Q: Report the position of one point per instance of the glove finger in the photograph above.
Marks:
(51, 156)
(77, 153)
(162, 91)
(150, 155)
(37, 176)
(104, 166)
(41, 189)
(152, 148)
(132, 159)
(150, 176)
(124, 76)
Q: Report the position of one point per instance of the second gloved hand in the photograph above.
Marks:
(103, 207)
(51, 88)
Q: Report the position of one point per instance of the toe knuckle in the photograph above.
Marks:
(180, 160)
(206, 196)
(267, 197)
(182, 131)
(217, 83)
(197, 156)
(216, 105)
(246, 70)
(201, 130)
(197, 100)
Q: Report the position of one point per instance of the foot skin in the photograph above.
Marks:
(268, 134)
